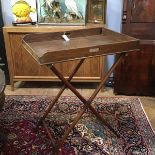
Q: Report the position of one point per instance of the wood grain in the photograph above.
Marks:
(51, 48)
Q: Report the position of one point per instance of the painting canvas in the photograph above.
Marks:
(24, 11)
(62, 12)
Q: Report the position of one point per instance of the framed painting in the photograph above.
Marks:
(24, 11)
(62, 12)
(96, 11)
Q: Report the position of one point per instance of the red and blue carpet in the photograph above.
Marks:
(89, 137)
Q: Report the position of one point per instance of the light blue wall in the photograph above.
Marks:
(114, 13)
(6, 7)
(113, 18)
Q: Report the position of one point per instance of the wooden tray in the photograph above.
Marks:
(48, 48)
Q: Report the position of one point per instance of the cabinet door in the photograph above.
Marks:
(139, 18)
(143, 11)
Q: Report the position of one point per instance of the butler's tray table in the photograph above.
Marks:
(50, 48)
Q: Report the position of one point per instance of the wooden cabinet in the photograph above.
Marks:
(136, 74)
(139, 19)
(22, 67)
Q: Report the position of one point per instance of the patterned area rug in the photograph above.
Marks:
(89, 137)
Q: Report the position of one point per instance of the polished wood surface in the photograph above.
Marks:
(46, 28)
(49, 48)
(22, 67)
(143, 11)
(139, 19)
(136, 74)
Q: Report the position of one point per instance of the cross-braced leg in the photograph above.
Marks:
(60, 92)
(86, 103)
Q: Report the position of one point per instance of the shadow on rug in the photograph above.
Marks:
(89, 137)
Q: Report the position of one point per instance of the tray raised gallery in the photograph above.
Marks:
(49, 48)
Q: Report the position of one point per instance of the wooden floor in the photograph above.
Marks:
(86, 89)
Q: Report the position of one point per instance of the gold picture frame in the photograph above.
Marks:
(96, 11)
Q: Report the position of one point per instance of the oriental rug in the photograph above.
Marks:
(89, 137)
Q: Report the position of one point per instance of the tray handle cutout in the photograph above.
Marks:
(94, 50)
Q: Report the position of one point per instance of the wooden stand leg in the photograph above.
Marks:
(12, 85)
(60, 92)
(87, 103)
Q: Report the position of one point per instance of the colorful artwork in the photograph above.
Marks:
(63, 12)
(24, 11)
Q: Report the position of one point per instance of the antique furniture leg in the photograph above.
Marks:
(41, 121)
(12, 85)
(59, 93)
(86, 103)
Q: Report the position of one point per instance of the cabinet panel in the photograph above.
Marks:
(22, 61)
(136, 74)
(139, 18)
(142, 11)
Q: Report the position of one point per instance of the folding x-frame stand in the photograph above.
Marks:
(50, 48)
(87, 103)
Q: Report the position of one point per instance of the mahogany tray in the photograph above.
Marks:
(49, 48)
